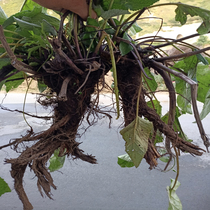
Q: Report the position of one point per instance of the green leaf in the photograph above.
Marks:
(189, 66)
(151, 83)
(31, 19)
(98, 9)
(91, 22)
(158, 137)
(134, 29)
(202, 59)
(113, 12)
(203, 77)
(41, 86)
(184, 102)
(183, 10)
(206, 107)
(4, 62)
(174, 201)
(124, 47)
(4, 188)
(125, 161)
(155, 104)
(56, 162)
(29, 5)
(128, 5)
(14, 81)
(164, 159)
(1, 84)
(136, 135)
(177, 126)
(3, 16)
(26, 25)
(204, 27)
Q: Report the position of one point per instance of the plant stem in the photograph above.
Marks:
(76, 36)
(99, 44)
(137, 103)
(114, 74)
(90, 8)
(119, 27)
(110, 5)
(166, 4)
(177, 173)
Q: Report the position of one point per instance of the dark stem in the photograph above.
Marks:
(183, 55)
(76, 36)
(133, 21)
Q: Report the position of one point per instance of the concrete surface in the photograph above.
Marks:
(105, 186)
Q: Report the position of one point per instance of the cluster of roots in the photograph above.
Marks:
(71, 99)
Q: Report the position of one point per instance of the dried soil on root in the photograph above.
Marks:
(68, 113)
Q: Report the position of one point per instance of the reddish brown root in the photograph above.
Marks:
(129, 78)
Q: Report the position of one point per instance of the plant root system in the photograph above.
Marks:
(72, 81)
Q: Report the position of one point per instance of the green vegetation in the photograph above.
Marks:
(202, 41)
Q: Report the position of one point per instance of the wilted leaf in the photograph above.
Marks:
(174, 201)
(56, 162)
(4, 188)
(136, 135)
(125, 161)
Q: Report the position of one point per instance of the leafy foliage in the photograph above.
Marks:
(183, 10)
(128, 5)
(14, 81)
(206, 106)
(4, 188)
(189, 66)
(124, 47)
(174, 201)
(56, 162)
(125, 161)
(136, 135)
(150, 84)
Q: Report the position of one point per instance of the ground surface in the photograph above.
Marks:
(105, 186)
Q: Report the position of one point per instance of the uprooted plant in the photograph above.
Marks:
(70, 58)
